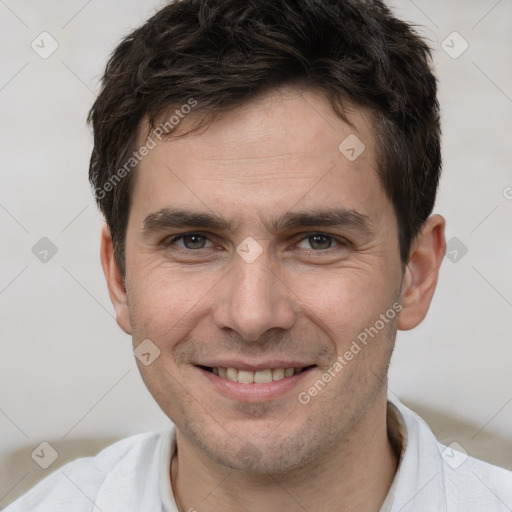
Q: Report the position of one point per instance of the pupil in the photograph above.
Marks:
(194, 241)
(320, 242)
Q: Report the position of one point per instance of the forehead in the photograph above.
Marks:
(285, 148)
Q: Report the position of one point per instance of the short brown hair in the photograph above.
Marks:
(222, 53)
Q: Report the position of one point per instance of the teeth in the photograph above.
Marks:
(232, 374)
(278, 374)
(244, 376)
(259, 377)
(262, 377)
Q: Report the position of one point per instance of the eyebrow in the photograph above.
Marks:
(177, 218)
(340, 217)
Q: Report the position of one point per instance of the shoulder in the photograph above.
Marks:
(79, 484)
(475, 485)
(433, 476)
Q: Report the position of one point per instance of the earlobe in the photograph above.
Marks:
(115, 282)
(422, 272)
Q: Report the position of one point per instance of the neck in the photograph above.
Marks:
(353, 474)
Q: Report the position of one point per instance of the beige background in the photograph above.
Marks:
(67, 373)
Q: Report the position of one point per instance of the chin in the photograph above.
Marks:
(260, 460)
(262, 450)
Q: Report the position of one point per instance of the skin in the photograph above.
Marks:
(300, 298)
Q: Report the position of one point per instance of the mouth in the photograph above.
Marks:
(254, 381)
(265, 376)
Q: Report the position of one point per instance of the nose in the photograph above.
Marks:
(252, 300)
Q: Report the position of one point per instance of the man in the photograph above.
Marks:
(267, 171)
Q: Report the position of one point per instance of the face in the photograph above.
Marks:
(254, 250)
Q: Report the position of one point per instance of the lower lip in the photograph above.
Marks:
(254, 392)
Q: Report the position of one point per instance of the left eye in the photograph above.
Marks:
(318, 242)
(191, 241)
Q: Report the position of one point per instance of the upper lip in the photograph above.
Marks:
(254, 366)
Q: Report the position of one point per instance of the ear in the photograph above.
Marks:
(421, 273)
(115, 282)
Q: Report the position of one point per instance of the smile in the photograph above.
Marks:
(255, 377)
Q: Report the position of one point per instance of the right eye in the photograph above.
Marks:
(190, 241)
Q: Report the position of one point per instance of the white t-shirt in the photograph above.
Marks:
(132, 475)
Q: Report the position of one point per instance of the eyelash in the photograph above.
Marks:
(338, 241)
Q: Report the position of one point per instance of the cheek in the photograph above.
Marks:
(343, 302)
(165, 304)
